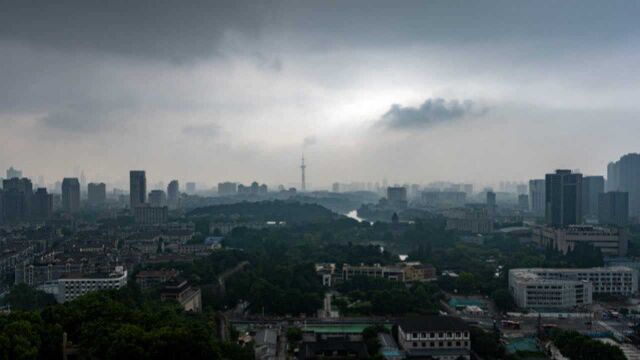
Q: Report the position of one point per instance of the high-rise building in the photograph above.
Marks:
(42, 204)
(303, 169)
(592, 187)
(17, 199)
(137, 188)
(13, 173)
(335, 187)
(613, 176)
(625, 176)
(191, 188)
(521, 189)
(536, 196)
(563, 198)
(491, 203)
(227, 188)
(173, 194)
(97, 194)
(397, 196)
(613, 208)
(157, 198)
(523, 202)
(70, 194)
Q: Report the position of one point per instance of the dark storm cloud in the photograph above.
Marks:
(167, 29)
(184, 30)
(82, 118)
(431, 112)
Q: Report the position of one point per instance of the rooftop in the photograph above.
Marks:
(433, 323)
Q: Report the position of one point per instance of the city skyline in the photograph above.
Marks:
(158, 183)
(423, 97)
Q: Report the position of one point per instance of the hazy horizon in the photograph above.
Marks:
(412, 92)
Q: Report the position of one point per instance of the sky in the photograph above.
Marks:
(410, 91)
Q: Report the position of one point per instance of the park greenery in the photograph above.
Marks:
(576, 346)
(280, 278)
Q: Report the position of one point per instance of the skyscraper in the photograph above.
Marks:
(536, 196)
(173, 194)
(592, 187)
(613, 176)
(70, 194)
(491, 203)
(17, 199)
(137, 188)
(13, 173)
(613, 208)
(157, 198)
(523, 202)
(227, 188)
(303, 168)
(97, 194)
(42, 204)
(629, 181)
(191, 187)
(397, 196)
(563, 198)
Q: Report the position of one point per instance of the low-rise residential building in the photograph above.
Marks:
(612, 241)
(566, 288)
(179, 290)
(13, 256)
(150, 278)
(435, 337)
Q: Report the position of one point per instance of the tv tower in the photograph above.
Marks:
(303, 167)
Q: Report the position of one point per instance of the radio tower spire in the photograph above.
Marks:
(303, 167)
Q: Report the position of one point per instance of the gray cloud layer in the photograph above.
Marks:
(430, 113)
(115, 85)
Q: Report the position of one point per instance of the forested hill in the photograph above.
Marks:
(277, 210)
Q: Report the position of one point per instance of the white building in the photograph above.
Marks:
(565, 288)
(71, 286)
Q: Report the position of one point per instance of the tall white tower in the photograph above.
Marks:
(303, 167)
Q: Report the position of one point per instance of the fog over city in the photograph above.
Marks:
(410, 91)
